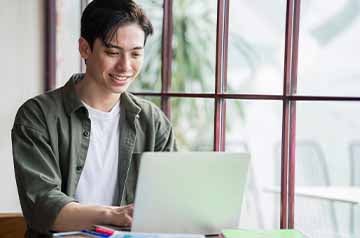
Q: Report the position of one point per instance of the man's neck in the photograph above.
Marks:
(94, 96)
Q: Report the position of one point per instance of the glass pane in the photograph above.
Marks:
(194, 43)
(256, 46)
(193, 123)
(328, 53)
(67, 34)
(149, 78)
(248, 131)
(327, 197)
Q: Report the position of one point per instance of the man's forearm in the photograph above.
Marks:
(75, 216)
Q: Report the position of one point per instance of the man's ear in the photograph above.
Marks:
(84, 48)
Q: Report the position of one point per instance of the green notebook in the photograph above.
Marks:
(262, 234)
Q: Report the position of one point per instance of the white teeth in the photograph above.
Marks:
(118, 77)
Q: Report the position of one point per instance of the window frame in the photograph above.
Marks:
(288, 97)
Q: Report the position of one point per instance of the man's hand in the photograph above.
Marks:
(121, 216)
(75, 216)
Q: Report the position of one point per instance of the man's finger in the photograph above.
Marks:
(131, 212)
(128, 219)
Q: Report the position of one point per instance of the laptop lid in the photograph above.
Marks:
(189, 192)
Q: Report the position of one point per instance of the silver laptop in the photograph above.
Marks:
(191, 192)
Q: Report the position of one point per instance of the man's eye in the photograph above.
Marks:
(112, 53)
(136, 55)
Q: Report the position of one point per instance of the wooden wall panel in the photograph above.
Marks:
(12, 225)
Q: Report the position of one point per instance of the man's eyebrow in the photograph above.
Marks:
(109, 45)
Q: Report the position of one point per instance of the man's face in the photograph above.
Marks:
(114, 67)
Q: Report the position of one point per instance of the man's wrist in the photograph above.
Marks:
(107, 215)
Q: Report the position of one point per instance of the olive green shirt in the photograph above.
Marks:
(50, 140)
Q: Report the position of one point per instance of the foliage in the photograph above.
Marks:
(193, 67)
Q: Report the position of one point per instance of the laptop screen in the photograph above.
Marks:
(189, 192)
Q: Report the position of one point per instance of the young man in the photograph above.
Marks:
(74, 147)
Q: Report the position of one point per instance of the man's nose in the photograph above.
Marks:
(124, 63)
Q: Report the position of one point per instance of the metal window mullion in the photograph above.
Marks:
(83, 4)
(218, 122)
(293, 91)
(225, 64)
(284, 165)
(252, 96)
(166, 71)
(291, 179)
(50, 44)
(225, 44)
(221, 74)
(218, 75)
(289, 114)
(286, 115)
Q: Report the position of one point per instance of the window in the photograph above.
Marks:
(68, 60)
(279, 79)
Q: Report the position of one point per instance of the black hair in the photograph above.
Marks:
(102, 18)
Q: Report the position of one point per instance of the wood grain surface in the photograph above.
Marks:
(12, 225)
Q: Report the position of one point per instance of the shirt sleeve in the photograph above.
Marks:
(38, 177)
(165, 138)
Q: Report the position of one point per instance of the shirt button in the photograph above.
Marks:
(79, 168)
(86, 134)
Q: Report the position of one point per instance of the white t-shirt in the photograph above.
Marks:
(98, 182)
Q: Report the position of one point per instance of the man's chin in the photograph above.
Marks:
(118, 90)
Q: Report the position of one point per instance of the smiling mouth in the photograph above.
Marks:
(119, 77)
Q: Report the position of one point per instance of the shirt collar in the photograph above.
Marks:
(71, 100)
